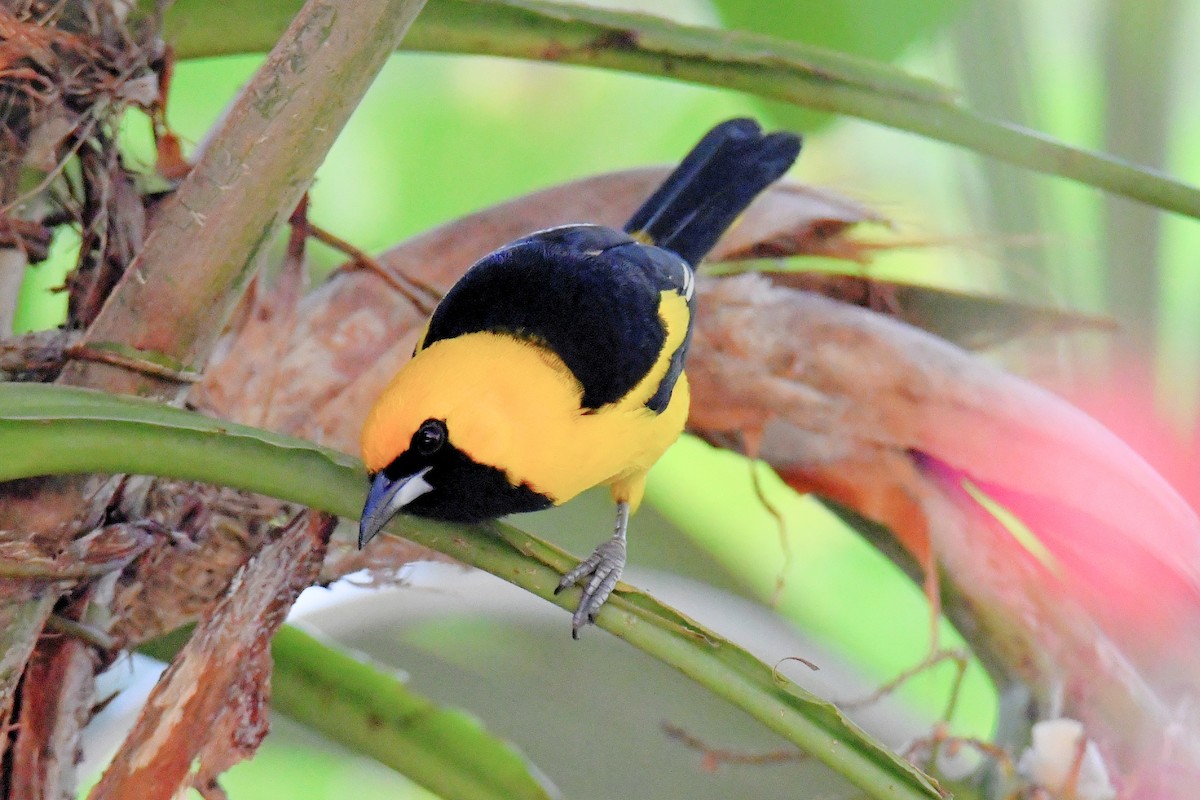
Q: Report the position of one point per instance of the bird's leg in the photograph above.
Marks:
(604, 565)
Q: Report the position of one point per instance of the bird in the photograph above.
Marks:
(556, 363)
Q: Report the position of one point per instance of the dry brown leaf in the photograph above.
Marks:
(972, 320)
(53, 710)
(31, 237)
(858, 387)
(213, 531)
(354, 332)
(210, 704)
(889, 420)
(113, 230)
(68, 74)
(863, 409)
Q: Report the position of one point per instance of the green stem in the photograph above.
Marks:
(1140, 54)
(55, 430)
(217, 230)
(760, 65)
(374, 712)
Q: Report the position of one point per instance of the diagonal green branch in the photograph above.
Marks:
(364, 707)
(370, 709)
(55, 430)
(761, 65)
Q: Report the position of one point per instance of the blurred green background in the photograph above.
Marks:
(440, 136)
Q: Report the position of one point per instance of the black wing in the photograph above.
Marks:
(591, 294)
(588, 293)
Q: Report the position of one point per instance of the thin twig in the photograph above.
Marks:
(930, 661)
(940, 738)
(363, 260)
(85, 633)
(84, 352)
(81, 137)
(780, 525)
(712, 757)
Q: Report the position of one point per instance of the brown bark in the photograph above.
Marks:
(209, 708)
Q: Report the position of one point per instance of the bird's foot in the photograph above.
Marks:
(604, 565)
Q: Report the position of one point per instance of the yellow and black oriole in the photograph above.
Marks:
(556, 362)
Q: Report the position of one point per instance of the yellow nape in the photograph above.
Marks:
(514, 405)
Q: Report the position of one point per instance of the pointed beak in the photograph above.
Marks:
(386, 498)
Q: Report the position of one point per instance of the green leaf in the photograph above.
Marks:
(372, 711)
(55, 430)
(765, 66)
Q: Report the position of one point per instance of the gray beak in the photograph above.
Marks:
(386, 498)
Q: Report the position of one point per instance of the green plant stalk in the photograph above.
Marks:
(374, 712)
(760, 65)
(1139, 52)
(57, 430)
(217, 231)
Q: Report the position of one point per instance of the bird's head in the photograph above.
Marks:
(458, 434)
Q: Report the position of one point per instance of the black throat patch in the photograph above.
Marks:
(463, 491)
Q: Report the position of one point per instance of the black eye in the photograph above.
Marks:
(430, 437)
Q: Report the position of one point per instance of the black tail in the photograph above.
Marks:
(713, 184)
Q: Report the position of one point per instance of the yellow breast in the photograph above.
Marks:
(515, 406)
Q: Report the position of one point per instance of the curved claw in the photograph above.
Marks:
(604, 566)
